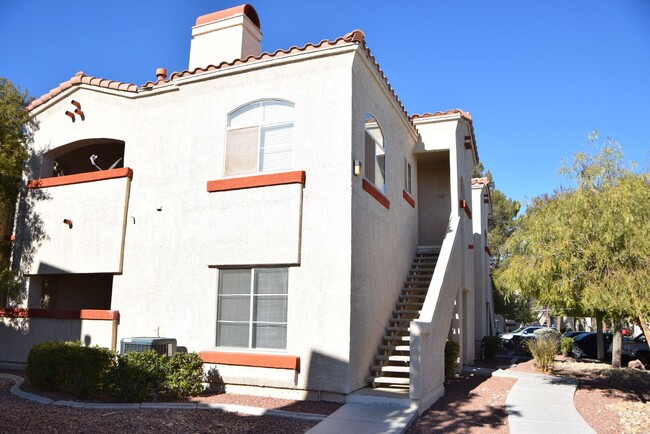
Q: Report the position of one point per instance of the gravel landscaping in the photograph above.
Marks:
(610, 401)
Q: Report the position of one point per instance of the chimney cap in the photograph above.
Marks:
(161, 73)
(244, 9)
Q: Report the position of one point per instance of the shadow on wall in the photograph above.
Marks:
(327, 374)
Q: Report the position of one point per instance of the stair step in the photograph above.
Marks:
(416, 289)
(402, 369)
(400, 348)
(398, 329)
(389, 380)
(394, 358)
(406, 312)
(409, 304)
(412, 296)
(406, 338)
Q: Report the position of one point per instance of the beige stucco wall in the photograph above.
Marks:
(18, 335)
(383, 240)
(177, 234)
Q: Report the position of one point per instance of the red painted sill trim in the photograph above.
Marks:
(378, 195)
(297, 177)
(407, 197)
(80, 178)
(278, 361)
(90, 314)
(465, 206)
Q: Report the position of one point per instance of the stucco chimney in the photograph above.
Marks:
(224, 36)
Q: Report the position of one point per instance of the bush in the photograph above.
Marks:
(184, 375)
(147, 375)
(544, 348)
(491, 345)
(70, 367)
(138, 376)
(566, 345)
(452, 350)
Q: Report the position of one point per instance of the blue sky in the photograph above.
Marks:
(536, 76)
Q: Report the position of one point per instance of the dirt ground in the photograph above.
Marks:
(610, 401)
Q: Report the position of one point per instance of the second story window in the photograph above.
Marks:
(259, 138)
(375, 151)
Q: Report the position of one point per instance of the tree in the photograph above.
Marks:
(587, 248)
(13, 137)
(500, 227)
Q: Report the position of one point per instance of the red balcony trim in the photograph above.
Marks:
(90, 314)
(465, 206)
(470, 246)
(407, 197)
(278, 361)
(378, 195)
(488, 251)
(297, 177)
(80, 178)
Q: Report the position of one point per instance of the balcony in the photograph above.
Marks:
(75, 223)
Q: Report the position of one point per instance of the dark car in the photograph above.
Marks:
(584, 345)
(573, 334)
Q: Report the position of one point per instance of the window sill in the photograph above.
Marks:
(80, 178)
(464, 205)
(378, 195)
(278, 361)
(407, 197)
(297, 177)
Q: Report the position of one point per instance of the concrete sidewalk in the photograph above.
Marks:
(540, 403)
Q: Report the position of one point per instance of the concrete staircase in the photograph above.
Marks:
(392, 363)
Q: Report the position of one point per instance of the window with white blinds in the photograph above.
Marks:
(252, 308)
(259, 138)
(375, 151)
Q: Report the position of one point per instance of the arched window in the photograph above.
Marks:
(259, 138)
(375, 171)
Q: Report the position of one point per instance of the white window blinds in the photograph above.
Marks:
(260, 138)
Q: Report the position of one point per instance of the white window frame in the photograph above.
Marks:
(251, 322)
(378, 150)
(408, 177)
(262, 126)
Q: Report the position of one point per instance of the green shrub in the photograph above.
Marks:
(452, 350)
(82, 371)
(566, 345)
(138, 376)
(147, 375)
(70, 367)
(491, 345)
(544, 348)
(184, 376)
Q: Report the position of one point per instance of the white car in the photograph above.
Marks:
(510, 340)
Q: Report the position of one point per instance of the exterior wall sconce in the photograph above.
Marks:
(357, 167)
(68, 222)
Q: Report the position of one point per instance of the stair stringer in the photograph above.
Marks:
(428, 333)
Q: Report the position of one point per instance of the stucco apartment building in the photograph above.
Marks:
(279, 213)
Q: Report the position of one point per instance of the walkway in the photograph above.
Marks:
(540, 403)
(536, 404)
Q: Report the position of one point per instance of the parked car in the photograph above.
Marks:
(585, 345)
(512, 339)
(572, 334)
(636, 348)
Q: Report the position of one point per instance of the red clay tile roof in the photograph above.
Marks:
(462, 113)
(81, 78)
(355, 36)
(246, 9)
(484, 181)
